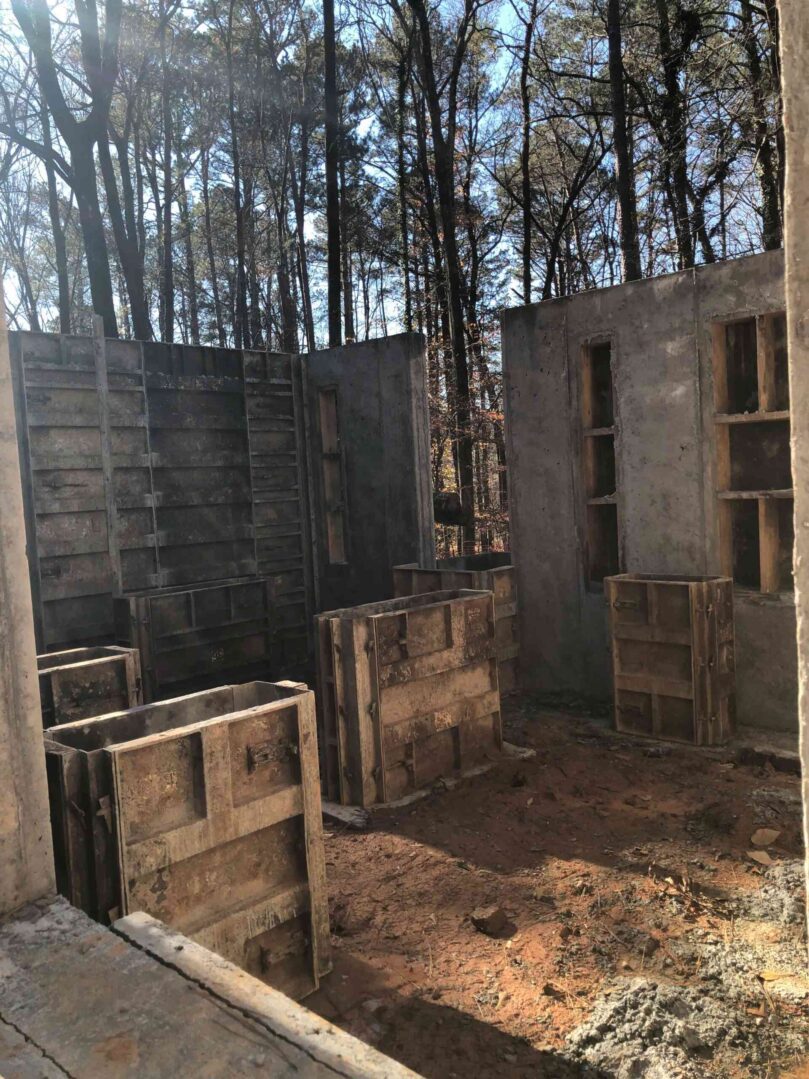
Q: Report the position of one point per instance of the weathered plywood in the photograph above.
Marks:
(491, 571)
(205, 813)
(673, 656)
(83, 682)
(408, 692)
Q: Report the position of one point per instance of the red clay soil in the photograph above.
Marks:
(601, 853)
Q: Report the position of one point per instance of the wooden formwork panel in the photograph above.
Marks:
(490, 571)
(194, 637)
(83, 682)
(408, 692)
(673, 656)
(205, 813)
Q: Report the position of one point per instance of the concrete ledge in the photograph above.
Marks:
(319, 1039)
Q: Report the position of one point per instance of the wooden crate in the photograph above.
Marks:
(408, 693)
(673, 656)
(490, 571)
(85, 682)
(203, 811)
(192, 638)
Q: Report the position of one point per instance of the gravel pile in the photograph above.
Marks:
(647, 1030)
(780, 898)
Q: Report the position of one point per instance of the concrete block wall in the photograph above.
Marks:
(660, 335)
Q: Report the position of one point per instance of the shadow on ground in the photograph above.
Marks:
(404, 1027)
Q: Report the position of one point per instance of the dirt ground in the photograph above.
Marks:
(641, 939)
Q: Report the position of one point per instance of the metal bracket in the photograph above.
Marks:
(105, 811)
(269, 753)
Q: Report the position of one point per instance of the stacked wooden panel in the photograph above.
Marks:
(408, 693)
(673, 656)
(85, 682)
(203, 811)
(193, 637)
(490, 571)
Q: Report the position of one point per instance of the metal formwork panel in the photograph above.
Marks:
(212, 806)
(673, 656)
(84, 682)
(491, 571)
(193, 637)
(408, 693)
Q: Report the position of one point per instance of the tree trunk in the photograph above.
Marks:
(59, 245)
(212, 273)
(95, 242)
(444, 155)
(128, 255)
(770, 208)
(168, 191)
(675, 127)
(299, 202)
(525, 152)
(345, 259)
(334, 267)
(402, 78)
(624, 165)
(241, 325)
(190, 267)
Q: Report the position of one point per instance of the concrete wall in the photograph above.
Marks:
(794, 61)
(383, 416)
(663, 386)
(26, 856)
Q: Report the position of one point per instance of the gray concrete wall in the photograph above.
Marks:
(26, 855)
(662, 377)
(384, 433)
(795, 62)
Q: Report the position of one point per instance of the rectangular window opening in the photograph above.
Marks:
(598, 463)
(753, 465)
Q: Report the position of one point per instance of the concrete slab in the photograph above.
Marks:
(77, 999)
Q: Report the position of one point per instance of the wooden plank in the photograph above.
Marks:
(719, 360)
(751, 417)
(587, 390)
(765, 362)
(313, 830)
(769, 545)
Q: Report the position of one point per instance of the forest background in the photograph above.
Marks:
(280, 174)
